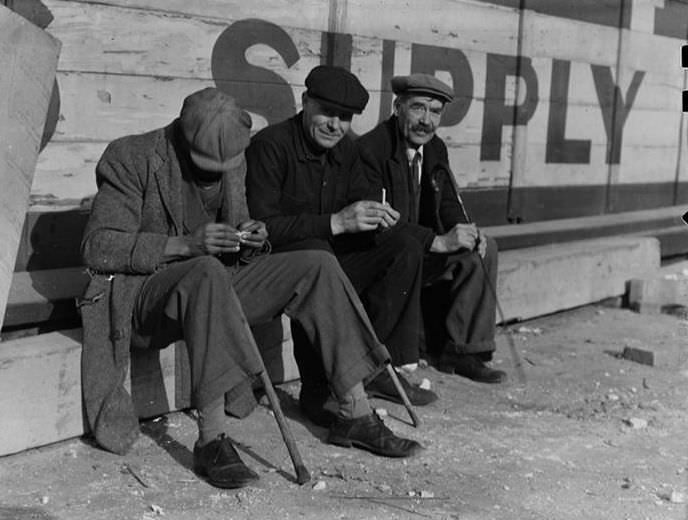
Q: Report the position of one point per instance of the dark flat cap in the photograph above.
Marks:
(422, 84)
(337, 88)
(215, 128)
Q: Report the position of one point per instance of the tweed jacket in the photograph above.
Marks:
(384, 157)
(139, 205)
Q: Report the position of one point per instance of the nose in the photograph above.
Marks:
(333, 122)
(426, 119)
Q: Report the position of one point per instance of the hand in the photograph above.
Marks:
(364, 215)
(482, 244)
(461, 236)
(253, 234)
(214, 239)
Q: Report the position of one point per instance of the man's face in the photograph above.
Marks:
(325, 126)
(419, 117)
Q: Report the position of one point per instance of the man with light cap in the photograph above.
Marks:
(304, 180)
(173, 255)
(404, 155)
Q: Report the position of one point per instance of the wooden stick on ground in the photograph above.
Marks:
(404, 397)
(302, 475)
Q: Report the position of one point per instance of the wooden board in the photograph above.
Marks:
(40, 385)
(28, 58)
(127, 64)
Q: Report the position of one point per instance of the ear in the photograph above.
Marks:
(395, 106)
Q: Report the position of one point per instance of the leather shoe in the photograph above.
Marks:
(370, 433)
(313, 407)
(471, 367)
(383, 387)
(219, 462)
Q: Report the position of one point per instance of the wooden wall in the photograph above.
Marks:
(594, 91)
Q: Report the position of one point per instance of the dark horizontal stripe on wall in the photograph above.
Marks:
(602, 12)
(631, 197)
(490, 207)
(672, 19)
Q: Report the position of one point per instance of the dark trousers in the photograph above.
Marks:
(458, 303)
(209, 306)
(385, 269)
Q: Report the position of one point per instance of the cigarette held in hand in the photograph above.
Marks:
(384, 196)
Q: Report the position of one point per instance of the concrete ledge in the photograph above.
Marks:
(545, 279)
(40, 382)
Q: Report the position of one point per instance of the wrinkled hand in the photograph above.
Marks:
(253, 234)
(482, 244)
(461, 236)
(364, 215)
(213, 239)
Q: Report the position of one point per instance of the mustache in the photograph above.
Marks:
(423, 127)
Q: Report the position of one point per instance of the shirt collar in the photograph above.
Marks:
(411, 153)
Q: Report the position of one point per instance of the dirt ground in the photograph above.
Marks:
(588, 436)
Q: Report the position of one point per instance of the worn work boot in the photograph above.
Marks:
(370, 433)
(220, 464)
(471, 367)
(383, 387)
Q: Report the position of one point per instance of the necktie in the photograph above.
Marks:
(414, 183)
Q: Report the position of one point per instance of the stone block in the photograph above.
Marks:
(546, 279)
(667, 287)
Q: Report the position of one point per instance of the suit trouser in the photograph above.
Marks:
(207, 304)
(386, 274)
(458, 303)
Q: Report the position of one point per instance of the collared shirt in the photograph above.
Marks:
(295, 189)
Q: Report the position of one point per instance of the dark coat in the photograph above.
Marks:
(383, 155)
(294, 191)
(139, 205)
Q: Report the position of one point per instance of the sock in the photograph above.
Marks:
(354, 403)
(211, 421)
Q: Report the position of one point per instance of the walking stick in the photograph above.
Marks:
(493, 290)
(302, 475)
(404, 397)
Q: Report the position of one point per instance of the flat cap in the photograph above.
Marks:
(215, 129)
(422, 84)
(337, 87)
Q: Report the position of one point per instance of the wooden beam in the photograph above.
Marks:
(28, 59)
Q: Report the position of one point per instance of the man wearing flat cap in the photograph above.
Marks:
(173, 255)
(404, 155)
(304, 180)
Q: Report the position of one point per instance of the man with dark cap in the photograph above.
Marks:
(404, 155)
(304, 180)
(173, 255)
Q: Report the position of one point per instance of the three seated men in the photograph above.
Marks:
(174, 254)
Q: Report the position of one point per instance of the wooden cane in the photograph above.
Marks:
(402, 393)
(302, 475)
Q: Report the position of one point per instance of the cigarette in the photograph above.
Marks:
(384, 196)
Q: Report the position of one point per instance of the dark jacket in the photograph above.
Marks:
(383, 155)
(294, 190)
(139, 205)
